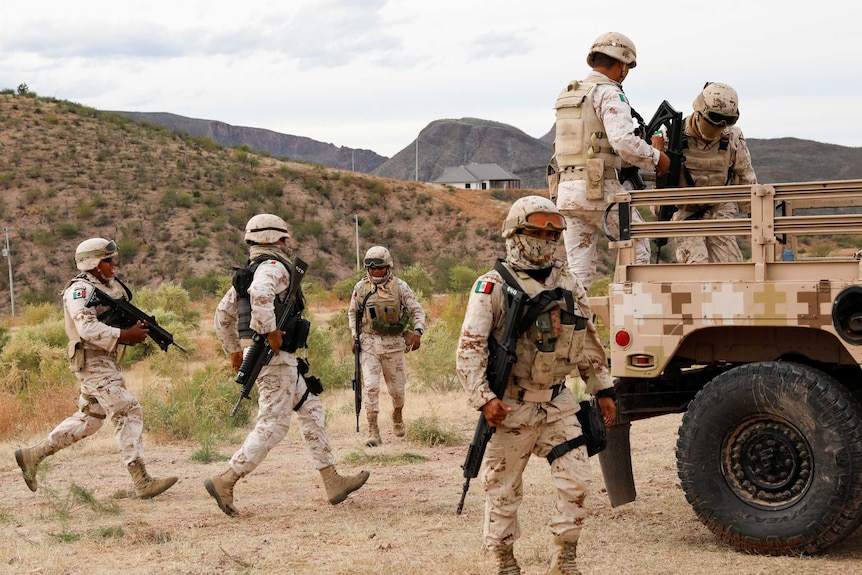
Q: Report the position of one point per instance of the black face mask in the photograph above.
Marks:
(539, 275)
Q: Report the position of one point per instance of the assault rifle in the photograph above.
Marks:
(501, 357)
(669, 118)
(357, 368)
(123, 314)
(260, 353)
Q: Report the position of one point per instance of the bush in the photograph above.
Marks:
(418, 279)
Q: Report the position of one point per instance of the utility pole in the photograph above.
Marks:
(356, 220)
(417, 158)
(8, 255)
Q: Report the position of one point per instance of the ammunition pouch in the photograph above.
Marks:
(386, 328)
(295, 334)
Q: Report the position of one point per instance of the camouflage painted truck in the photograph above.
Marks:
(763, 357)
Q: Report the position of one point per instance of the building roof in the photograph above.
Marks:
(475, 173)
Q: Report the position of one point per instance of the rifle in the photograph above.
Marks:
(672, 120)
(124, 315)
(357, 368)
(260, 353)
(501, 357)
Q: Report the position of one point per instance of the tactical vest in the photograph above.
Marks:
(383, 312)
(580, 133)
(296, 329)
(545, 358)
(710, 167)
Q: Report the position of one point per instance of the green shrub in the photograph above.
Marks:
(429, 431)
(418, 279)
(434, 363)
(461, 279)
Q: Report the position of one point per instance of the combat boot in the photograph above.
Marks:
(29, 458)
(147, 487)
(338, 487)
(565, 558)
(221, 488)
(373, 431)
(506, 560)
(397, 422)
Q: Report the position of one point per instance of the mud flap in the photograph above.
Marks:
(616, 462)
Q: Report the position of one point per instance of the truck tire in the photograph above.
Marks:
(769, 456)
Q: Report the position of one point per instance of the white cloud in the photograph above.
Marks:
(371, 74)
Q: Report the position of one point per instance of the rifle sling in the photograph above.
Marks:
(565, 447)
(536, 304)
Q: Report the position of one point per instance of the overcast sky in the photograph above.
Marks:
(373, 73)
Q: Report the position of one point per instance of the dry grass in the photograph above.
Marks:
(402, 521)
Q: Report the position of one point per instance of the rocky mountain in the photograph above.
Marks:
(458, 142)
(274, 144)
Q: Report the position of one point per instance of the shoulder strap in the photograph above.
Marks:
(536, 304)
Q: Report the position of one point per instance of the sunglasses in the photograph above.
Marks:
(109, 261)
(717, 119)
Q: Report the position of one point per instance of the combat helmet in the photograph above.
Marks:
(265, 229)
(90, 252)
(378, 256)
(718, 103)
(533, 212)
(617, 46)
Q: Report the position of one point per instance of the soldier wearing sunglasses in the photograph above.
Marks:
(715, 155)
(380, 309)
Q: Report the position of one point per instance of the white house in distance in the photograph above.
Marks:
(479, 177)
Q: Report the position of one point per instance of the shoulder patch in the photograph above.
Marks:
(80, 293)
(484, 287)
(623, 97)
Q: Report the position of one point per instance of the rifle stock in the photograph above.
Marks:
(260, 353)
(501, 357)
(124, 315)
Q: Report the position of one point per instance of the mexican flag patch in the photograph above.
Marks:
(484, 287)
(622, 97)
(80, 293)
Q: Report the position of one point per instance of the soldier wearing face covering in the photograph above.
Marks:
(715, 155)
(537, 413)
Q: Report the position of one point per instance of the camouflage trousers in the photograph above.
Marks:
(380, 367)
(279, 389)
(691, 250)
(529, 430)
(103, 394)
(584, 222)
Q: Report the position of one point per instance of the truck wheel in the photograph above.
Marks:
(770, 457)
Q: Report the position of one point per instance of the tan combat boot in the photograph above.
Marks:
(506, 560)
(565, 558)
(147, 487)
(221, 488)
(338, 487)
(397, 422)
(29, 458)
(373, 431)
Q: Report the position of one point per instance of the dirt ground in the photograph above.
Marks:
(402, 522)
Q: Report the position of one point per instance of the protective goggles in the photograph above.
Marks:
(375, 263)
(545, 221)
(717, 119)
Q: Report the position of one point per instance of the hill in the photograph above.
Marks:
(177, 204)
(457, 142)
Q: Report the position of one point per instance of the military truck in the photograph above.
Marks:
(761, 357)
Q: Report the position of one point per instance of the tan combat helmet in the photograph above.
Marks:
(617, 46)
(718, 103)
(90, 252)
(533, 212)
(265, 229)
(378, 256)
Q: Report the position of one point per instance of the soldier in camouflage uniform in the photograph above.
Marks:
(715, 155)
(537, 412)
(93, 353)
(594, 137)
(387, 304)
(280, 386)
